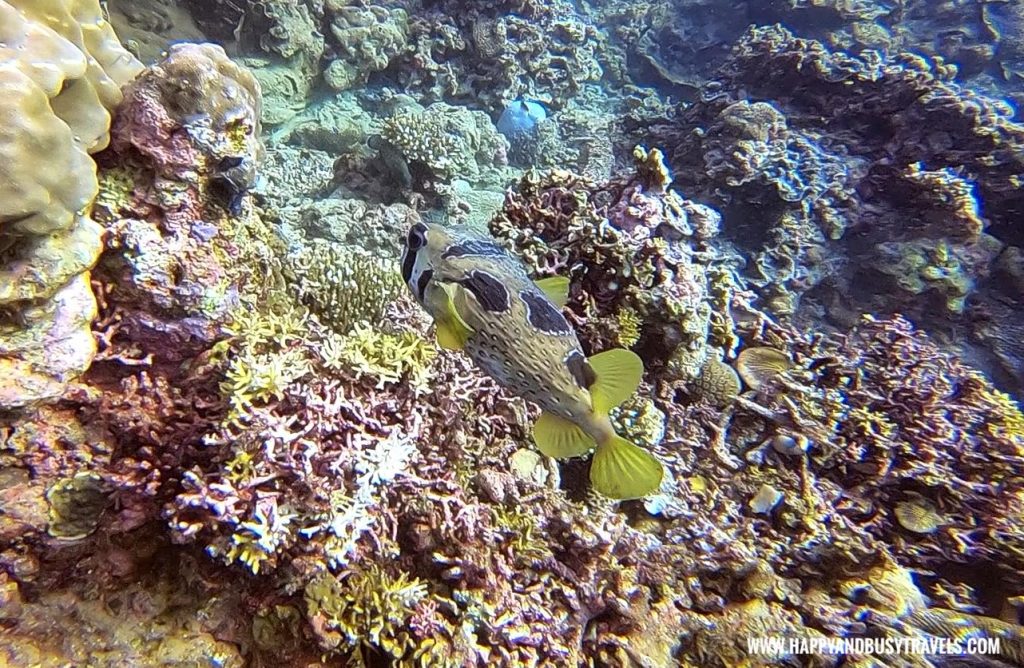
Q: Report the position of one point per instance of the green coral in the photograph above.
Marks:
(367, 609)
(924, 266)
(386, 357)
(76, 504)
(629, 327)
(345, 286)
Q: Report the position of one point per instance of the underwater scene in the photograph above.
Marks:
(452, 333)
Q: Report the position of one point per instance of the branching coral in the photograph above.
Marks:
(444, 142)
(345, 286)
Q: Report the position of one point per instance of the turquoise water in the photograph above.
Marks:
(437, 333)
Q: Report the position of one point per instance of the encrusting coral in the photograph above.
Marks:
(61, 74)
(185, 144)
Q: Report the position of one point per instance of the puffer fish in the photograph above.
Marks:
(484, 303)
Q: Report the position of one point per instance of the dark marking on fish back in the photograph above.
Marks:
(580, 369)
(474, 247)
(421, 282)
(488, 290)
(543, 315)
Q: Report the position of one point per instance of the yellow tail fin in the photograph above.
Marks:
(557, 437)
(621, 470)
(618, 372)
(556, 288)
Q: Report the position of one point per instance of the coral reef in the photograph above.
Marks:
(63, 68)
(367, 38)
(802, 147)
(442, 142)
(257, 455)
(628, 246)
(183, 156)
(492, 54)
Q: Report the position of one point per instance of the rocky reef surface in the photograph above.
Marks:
(227, 436)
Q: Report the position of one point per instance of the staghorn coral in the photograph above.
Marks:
(62, 73)
(387, 357)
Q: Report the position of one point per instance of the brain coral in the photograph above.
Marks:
(61, 70)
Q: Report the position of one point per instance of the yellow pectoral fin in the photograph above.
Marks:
(555, 289)
(621, 470)
(450, 337)
(452, 330)
(618, 373)
(559, 438)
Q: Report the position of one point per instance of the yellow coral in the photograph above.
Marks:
(260, 377)
(368, 608)
(61, 70)
(629, 322)
(388, 358)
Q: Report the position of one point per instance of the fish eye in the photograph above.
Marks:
(417, 237)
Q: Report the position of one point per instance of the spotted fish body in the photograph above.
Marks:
(484, 302)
